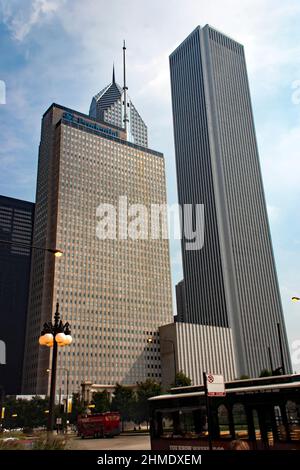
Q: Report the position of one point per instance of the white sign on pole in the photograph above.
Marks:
(215, 385)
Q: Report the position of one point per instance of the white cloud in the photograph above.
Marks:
(150, 38)
(296, 93)
(261, 25)
(273, 213)
(281, 158)
(157, 77)
(21, 22)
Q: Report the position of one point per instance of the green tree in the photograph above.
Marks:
(101, 401)
(124, 401)
(265, 373)
(182, 380)
(29, 413)
(244, 377)
(145, 390)
(78, 408)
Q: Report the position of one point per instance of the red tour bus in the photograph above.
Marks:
(99, 425)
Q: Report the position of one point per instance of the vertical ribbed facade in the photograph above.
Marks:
(202, 268)
(232, 280)
(198, 349)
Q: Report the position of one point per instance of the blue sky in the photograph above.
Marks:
(62, 51)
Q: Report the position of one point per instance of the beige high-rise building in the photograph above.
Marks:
(115, 293)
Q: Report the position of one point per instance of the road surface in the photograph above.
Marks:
(124, 442)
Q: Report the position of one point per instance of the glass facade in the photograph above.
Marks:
(16, 224)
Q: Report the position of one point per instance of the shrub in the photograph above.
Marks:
(50, 443)
(28, 431)
(12, 444)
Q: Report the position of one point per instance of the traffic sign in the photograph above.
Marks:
(215, 385)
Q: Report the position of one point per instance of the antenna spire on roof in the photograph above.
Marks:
(125, 88)
(113, 74)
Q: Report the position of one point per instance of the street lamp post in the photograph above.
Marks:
(150, 341)
(280, 348)
(54, 335)
(66, 405)
(68, 375)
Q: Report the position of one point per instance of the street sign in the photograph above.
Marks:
(58, 420)
(215, 385)
(2, 412)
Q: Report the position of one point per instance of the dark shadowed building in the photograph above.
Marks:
(16, 223)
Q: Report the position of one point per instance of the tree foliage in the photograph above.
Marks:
(101, 401)
(132, 405)
(124, 401)
(29, 413)
(77, 408)
(265, 373)
(145, 390)
(182, 380)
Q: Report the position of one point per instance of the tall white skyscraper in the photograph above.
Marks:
(231, 282)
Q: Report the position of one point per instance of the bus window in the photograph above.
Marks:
(183, 423)
(256, 425)
(280, 427)
(167, 424)
(200, 420)
(240, 421)
(189, 424)
(293, 418)
(223, 420)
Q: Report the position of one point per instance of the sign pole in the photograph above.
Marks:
(207, 411)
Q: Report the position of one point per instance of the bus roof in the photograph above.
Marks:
(274, 379)
(233, 390)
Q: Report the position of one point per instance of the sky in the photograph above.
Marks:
(63, 50)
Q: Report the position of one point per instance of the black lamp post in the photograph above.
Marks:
(68, 377)
(54, 335)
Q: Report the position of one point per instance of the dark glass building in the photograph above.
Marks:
(231, 282)
(180, 302)
(16, 220)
